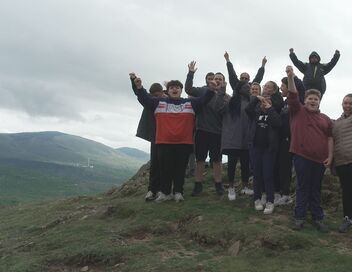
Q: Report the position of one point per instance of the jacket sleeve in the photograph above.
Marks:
(328, 67)
(134, 88)
(232, 75)
(274, 118)
(299, 64)
(199, 102)
(190, 90)
(146, 101)
(259, 76)
(293, 102)
(250, 109)
(300, 89)
(222, 102)
(277, 101)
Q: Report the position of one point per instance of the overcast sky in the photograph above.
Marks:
(64, 64)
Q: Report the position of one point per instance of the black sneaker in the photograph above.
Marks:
(298, 224)
(197, 189)
(319, 224)
(219, 188)
(346, 224)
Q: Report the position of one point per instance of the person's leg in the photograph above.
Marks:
(201, 153)
(180, 163)
(318, 170)
(269, 158)
(285, 169)
(165, 159)
(231, 168)
(215, 155)
(244, 160)
(154, 171)
(345, 176)
(258, 173)
(303, 176)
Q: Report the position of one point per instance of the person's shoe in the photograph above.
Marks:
(247, 191)
(149, 196)
(258, 205)
(178, 197)
(197, 189)
(219, 188)
(277, 197)
(320, 226)
(162, 197)
(298, 224)
(231, 194)
(284, 200)
(269, 208)
(346, 224)
(263, 199)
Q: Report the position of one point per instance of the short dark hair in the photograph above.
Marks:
(219, 73)
(312, 92)
(174, 83)
(348, 95)
(284, 80)
(155, 88)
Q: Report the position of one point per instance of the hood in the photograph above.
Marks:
(314, 54)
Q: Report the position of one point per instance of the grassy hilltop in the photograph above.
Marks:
(118, 231)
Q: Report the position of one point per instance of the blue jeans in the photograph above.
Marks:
(308, 190)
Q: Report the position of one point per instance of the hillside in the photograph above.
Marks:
(118, 231)
(134, 153)
(45, 165)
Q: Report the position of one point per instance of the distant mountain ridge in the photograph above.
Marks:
(35, 165)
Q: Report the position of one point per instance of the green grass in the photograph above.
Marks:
(120, 232)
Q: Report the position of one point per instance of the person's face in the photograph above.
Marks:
(312, 102)
(313, 59)
(244, 77)
(347, 105)
(174, 92)
(284, 90)
(267, 100)
(255, 90)
(219, 79)
(209, 78)
(268, 89)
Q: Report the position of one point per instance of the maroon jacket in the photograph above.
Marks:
(309, 131)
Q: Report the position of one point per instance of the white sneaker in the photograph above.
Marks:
(258, 205)
(277, 197)
(284, 200)
(247, 191)
(269, 208)
(162, 197)
(149, 196)
(263, 200)
(178, 197)
(232, 194)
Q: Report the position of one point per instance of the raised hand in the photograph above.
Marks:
(291, 50)
(337, 52)
(192, 66)
(212, 85)
(264, 61)
(138, 82)
(132, 75)
(289, 71)
(226, 56)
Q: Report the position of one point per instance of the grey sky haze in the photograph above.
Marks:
(64, 64)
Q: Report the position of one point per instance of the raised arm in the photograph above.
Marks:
(233, 79)
(260, 74)
(199, 102)
(250, 109)
(190, 90)
(300, 89)
(292, 98)
(143, 97)
(296, 62)
(328, 67)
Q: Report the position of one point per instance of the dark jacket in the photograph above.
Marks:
(314, 72)
(234, 79)
(208, 119)
(146, 125)
(273, 123)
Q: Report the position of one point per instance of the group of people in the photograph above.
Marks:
(267, 128)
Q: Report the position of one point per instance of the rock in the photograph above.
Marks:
(84, 269)
(234, 250)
